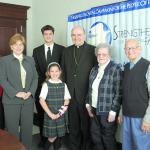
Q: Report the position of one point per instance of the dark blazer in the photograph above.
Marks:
(10, 78)
(78, 81)
(40, 61)
(109, 90)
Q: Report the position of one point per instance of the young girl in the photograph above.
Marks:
(54, 98)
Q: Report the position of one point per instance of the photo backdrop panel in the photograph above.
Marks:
(113, 24)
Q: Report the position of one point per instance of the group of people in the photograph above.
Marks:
(78, 90)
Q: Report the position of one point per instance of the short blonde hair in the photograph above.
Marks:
(17, 37)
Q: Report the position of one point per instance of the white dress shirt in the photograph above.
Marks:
(46, 49)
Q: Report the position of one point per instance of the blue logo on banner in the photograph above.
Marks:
(101, 31)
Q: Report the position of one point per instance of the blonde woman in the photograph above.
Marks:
(18, 78)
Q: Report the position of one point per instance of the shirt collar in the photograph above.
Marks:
(103, 66)
(18, 57)
(52, 81)
(136, 60)
(51, 46)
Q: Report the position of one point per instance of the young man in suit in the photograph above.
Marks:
(43, 55)
(77, 62)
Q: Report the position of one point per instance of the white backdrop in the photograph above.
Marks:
(115, 23)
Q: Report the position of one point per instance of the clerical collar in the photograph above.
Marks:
(79, 46)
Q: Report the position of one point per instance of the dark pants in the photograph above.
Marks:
(78, 126)
(20, 115)
(119, 146)
(40, 117)
(1, 114)
(103, 133)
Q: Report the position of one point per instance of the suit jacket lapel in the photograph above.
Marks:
(42, 56)
(53, 50)
(16, 66)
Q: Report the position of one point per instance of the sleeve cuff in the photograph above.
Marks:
(87, 106)
(146, 119)
(113, 113)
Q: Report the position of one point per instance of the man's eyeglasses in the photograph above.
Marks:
(131, 48)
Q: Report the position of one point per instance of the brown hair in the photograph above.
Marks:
(47, 27)
(17, 37)
(52, 64)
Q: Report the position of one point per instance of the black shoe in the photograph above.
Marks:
(47, 145)
(57, 144)
(41, 144)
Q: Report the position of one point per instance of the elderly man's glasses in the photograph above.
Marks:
(131, 48)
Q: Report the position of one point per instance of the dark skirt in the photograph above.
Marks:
(55, 128)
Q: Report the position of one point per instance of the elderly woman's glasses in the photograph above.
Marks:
(102, 55)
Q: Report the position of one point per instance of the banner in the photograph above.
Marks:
(113, 24)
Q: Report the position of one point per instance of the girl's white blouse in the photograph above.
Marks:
(44, 90)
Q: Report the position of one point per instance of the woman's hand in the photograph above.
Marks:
(21, 95)
(90, 111)
(28, 94)
(111, 116)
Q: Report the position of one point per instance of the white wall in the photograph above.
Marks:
(55, 13)
(18, 2)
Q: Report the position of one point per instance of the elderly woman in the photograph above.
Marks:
(103, 100)
(18, 78)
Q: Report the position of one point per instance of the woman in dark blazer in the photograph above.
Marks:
(18, 78)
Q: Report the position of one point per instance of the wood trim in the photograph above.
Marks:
(11, 11)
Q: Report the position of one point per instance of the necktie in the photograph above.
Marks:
(23, 73)
(48, 55)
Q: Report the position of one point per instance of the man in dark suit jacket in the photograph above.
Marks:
(77, 62)
(43, 55)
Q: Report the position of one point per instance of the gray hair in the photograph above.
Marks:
(78, 26)
(103, 45)
(135, 40)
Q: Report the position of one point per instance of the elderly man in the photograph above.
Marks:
(78, 60)
(103, 100)
(136, 99)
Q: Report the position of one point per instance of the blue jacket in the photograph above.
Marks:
(109, 90)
